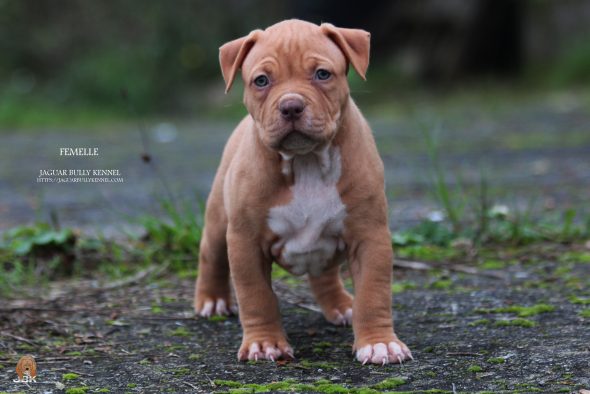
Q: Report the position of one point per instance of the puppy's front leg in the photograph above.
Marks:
(263, 335)
(371, 260)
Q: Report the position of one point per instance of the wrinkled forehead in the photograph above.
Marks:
(289, 45)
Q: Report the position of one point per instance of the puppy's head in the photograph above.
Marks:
(296, 87)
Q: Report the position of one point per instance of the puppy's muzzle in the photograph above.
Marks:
(295, 140)
(291, 107)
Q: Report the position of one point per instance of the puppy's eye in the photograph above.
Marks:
(261, 81)
(322, 74)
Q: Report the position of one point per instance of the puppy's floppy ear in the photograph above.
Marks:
(354, 43)
(232, 55)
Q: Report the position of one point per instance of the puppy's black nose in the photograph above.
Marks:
(291, 108)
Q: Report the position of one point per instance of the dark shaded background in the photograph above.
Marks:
(82, 53)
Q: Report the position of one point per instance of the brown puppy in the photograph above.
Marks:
(300, 183)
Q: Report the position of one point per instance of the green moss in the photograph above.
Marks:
(442, 284)
(181, 371)
(103, 390)
(180, 332)
(217, 318)
(242, 391)
(585, 313)
(320, 386)
(474, 368)
(194, 357)
(563, 270)
(579, 300)
(75, 354)
(156, 309)
(515, 322)
(116, 323)
(521, 311)
(131, 385)
(390, 383)
(575, 257)
(77, 390)
(496, 360)
(401, 286)
(283, 275)
(302, 387)
(320, 365)
(480, 322)
(429, 391)
(365, 390)
(331, 388)
(145, 361)
(430, 374)
(25, 346)
(70, 376)
(427, 252)
(319, 347)
(227, 383)
(493, 265)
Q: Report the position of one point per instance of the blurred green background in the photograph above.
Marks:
(65, 62)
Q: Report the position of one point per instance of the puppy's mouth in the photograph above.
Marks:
(297, 142)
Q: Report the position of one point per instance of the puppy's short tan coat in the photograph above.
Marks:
(301, 184)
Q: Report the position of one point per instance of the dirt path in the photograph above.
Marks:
(142, 337)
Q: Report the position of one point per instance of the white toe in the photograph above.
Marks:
(396, 352)
(380, 355)
(348, 316)
(207, 309)
(364, 354)
(254, 352)
(272, 353)
(221, 307)
(338, 320)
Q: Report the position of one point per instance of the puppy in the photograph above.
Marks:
(301, 184)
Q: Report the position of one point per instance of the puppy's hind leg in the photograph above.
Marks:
(335, 301)
(213, 291)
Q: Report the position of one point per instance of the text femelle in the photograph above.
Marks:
(78, 151)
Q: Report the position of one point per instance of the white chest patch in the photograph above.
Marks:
(310, 226)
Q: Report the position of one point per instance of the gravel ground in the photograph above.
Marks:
(142, 337)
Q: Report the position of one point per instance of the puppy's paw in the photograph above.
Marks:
(383, 353)
(340, 316)
(270, 349)
(337, 308)
(207, 307)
